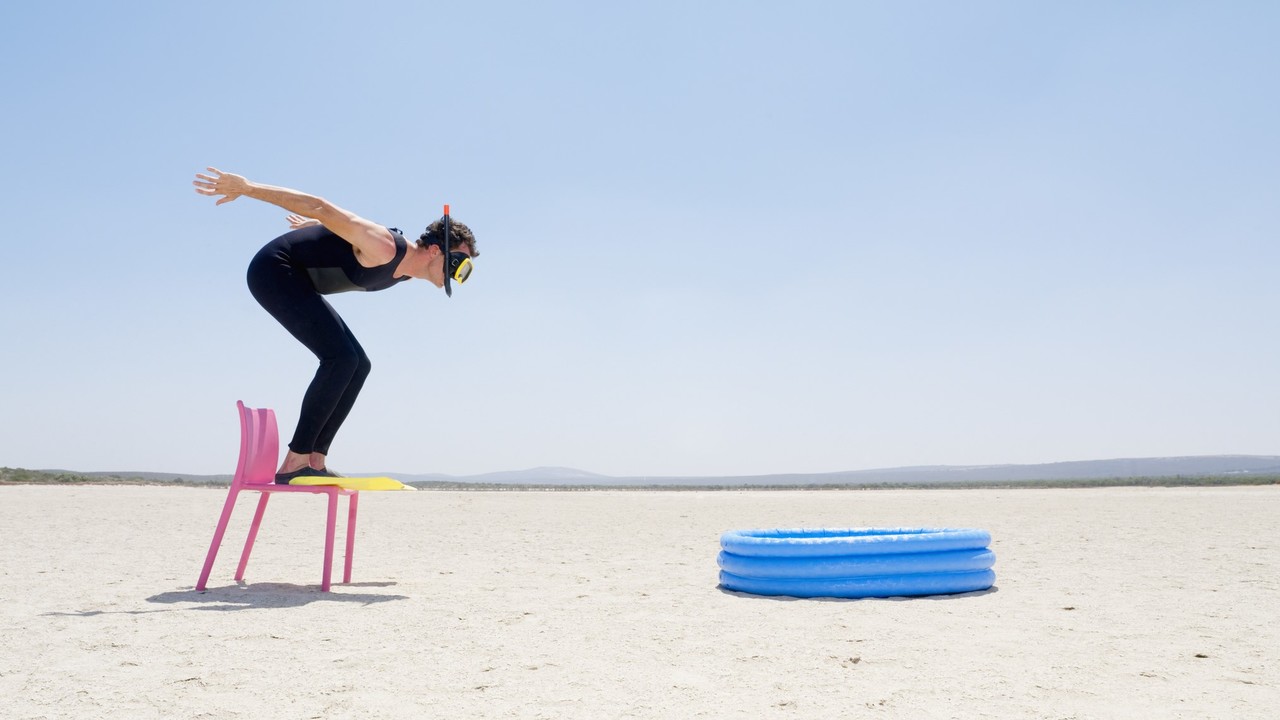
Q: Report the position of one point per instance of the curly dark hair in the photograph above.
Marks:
(459, 235)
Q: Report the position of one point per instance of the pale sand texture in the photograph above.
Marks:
(605, 605)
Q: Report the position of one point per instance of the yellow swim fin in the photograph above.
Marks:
(354, 483)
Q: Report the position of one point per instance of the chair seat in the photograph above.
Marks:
(313, 489)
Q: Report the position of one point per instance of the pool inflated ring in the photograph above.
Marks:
(856, 562)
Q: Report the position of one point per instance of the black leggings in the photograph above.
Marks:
(287, 293)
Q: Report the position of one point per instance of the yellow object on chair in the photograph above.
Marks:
(354, 483)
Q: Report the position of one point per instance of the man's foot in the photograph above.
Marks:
(328, 473)
(284, 478)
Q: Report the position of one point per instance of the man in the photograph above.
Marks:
(331, 250)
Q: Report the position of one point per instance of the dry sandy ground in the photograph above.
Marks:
(1110, 603)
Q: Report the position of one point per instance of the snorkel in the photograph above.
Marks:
(455, 265)
(444, 266)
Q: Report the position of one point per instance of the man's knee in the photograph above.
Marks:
(346, 362)
(363, 365)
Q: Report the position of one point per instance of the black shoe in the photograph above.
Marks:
(284, 478)
(329, 473)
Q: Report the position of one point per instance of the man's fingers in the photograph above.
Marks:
(209, 185)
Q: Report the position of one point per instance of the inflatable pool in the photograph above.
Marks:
(856, 562)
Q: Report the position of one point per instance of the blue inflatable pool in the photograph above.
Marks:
(856, 562)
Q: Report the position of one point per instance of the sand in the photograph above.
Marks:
(1109, 603)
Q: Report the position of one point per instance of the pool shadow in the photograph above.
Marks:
(787, 598)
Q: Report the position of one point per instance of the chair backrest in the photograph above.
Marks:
(259, 446)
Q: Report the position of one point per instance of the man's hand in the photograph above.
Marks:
(297, 221)
(228, 185)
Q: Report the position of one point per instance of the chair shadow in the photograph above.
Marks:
(900, 598)
(243, 596)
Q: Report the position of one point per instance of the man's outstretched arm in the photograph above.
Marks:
(367, 237)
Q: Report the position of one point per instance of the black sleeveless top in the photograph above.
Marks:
(331, 261)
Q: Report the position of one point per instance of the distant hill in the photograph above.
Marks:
(1245, 467)
(1192, 466)
(534, 476)
(144, 476)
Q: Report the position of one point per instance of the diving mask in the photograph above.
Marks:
(459, 266)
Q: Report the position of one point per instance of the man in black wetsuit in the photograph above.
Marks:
(332, 250)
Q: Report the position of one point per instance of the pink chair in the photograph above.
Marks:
(259, 453)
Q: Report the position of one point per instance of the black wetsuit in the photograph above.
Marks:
(287, 277)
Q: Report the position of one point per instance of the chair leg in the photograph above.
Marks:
(253, 535)
(218, 532)
(353, 503)
(328, 539)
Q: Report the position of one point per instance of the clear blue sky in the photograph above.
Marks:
(716, 237)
